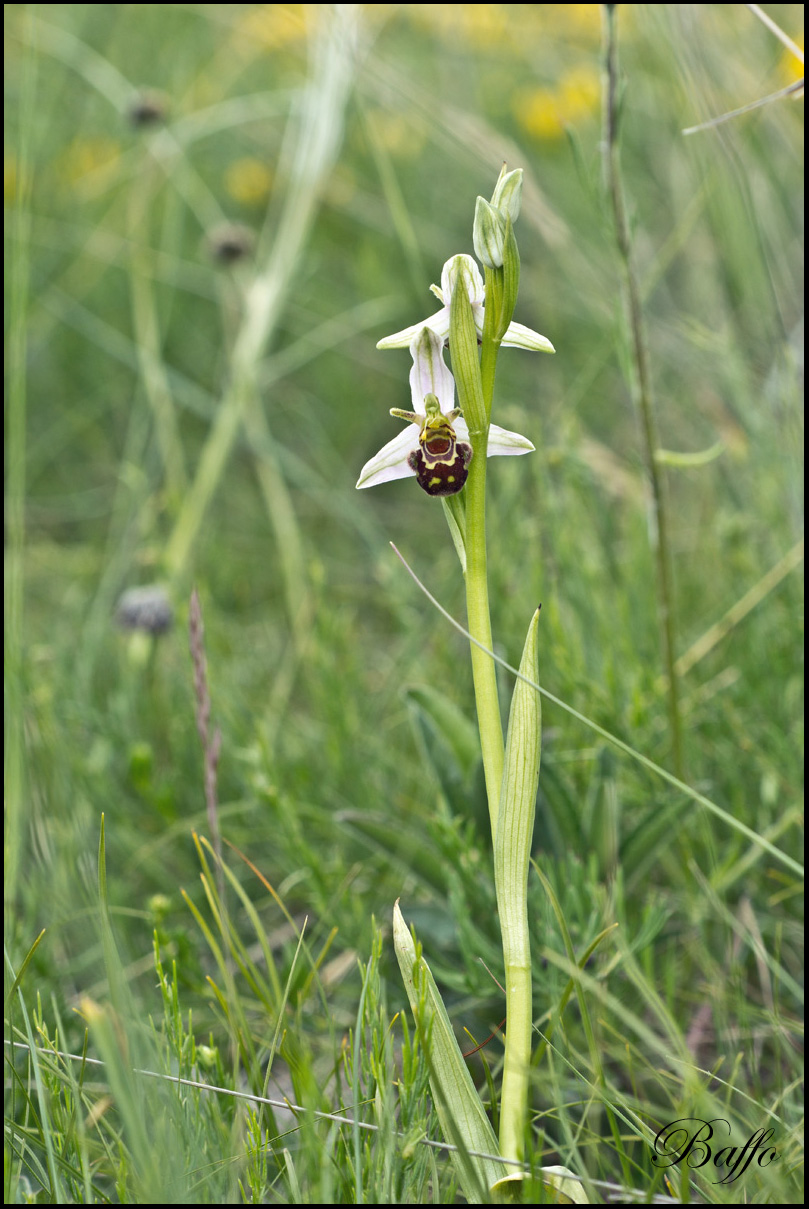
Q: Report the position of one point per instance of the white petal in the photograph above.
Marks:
(502, 443)
(438, 323)
(471, 277)
(430, 375)
(518, 336)
(391, 461)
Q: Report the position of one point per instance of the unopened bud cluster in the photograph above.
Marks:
(492, 218)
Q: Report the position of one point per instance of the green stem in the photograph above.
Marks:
(148, 340)
(643, 390)
(517, 1060)
(476, 400)
(480, 626)
(488, 365)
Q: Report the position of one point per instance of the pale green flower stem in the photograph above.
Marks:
(477, 406)
(514, 922)
(511, 882)
(514, 918)
(511, 796)
(517, 1061)
(480, 625)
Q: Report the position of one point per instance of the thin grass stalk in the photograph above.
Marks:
(211, 743)
(284, 522)
(317, 140)
(147, 342)
(49, 1142)
(357, 1088)
(14, 761)
(661, 541)
(737, 612)
(128, 504)
(397, 205)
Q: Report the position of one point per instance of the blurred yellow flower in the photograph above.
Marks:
(547, 112)
(248, 180)
(791, 67)
(273, 25)
(87, 163)
(484, 24)
(583, 19)
(481, 25)
(517, 26)
(536, 111)
(580, 93)
(399, 134)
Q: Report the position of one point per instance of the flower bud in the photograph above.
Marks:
(507, 195)
(487, 234)
(511, 278)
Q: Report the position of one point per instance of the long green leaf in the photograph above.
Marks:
(460, 1111)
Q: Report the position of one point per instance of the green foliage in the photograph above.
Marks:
(164, 164)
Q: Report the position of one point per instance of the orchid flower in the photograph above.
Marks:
(516, 335)
(436, 448)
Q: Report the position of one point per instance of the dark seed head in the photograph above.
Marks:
(147, 608)
(147, 109)
(230, 243)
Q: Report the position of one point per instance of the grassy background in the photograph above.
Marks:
(349, 150)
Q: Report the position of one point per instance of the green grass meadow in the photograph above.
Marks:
(213, 213)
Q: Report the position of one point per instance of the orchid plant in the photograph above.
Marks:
(445, 448)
